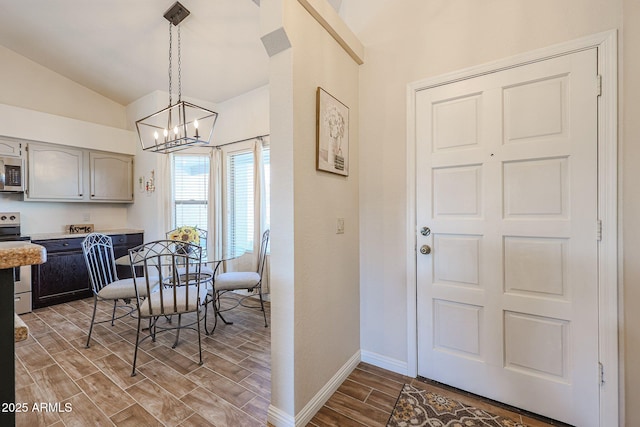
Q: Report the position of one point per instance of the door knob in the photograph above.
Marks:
(425, 231)
(425, 249)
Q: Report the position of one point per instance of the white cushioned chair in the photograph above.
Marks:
(196, 236)
(181, 292)
(250, 281)
(98, 254)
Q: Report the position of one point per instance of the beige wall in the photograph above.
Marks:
(315, 272)
(29, 85)
(327, 269)
(630, 206)
(425, 39)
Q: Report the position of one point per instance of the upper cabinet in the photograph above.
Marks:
(10, 148)
(55, 173)
(111, 177)
(60, 173)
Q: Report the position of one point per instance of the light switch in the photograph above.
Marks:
(340, 226)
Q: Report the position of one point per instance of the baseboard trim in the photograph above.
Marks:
(280, 418)
(388, 363)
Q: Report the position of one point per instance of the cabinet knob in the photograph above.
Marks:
(65, 244)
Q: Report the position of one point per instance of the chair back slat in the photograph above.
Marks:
(262, 254)
(161, 261)
(97, 249)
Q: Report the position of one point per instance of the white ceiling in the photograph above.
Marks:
(120, 48)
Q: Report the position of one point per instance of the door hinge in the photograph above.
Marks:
(601, 369)
(599, 230)
(599, 85)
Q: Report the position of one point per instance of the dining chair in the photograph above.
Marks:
(197, 236)
(97, 249)
(180, 292)
(250, 281)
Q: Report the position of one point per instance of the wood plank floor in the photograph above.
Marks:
(93, 387)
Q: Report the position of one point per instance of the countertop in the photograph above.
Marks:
(63, 235)
(16, 254)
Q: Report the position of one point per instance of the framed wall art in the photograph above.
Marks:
(332, 134)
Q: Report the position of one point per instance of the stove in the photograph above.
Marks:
(10, 232)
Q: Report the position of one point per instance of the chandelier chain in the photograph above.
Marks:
(170, 59)
(179, 67)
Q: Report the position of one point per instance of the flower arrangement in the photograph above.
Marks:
(186, 234)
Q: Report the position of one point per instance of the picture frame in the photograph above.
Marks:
(332, 134)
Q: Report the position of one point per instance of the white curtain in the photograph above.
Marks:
(259, 206)
(166, 220)
(214, 240)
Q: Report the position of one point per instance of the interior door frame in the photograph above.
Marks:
(609, 294)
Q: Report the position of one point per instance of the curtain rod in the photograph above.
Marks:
(242, 140)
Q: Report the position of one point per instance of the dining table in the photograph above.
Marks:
(213, 261)
(209, 264)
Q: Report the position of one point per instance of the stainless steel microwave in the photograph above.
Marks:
(11, 175)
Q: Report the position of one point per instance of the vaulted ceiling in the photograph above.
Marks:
(120, 48)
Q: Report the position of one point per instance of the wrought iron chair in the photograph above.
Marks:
(250, 281)
(97, 249)
(196, 236)
(181, 292)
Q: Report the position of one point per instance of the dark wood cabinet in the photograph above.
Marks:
(64, 276)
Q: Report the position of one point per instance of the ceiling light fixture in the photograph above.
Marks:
(180, 125)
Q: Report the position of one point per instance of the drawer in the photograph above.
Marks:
(129, 240)
(75, 243)
(59, 245)
(22, 303)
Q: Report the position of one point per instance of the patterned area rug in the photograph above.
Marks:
(417, 408)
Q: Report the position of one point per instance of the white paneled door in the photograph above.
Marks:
(508, 284)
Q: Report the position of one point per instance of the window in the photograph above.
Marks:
(240, 201)
(191, 190)
(240, 194)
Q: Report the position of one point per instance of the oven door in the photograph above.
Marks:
(22, 299)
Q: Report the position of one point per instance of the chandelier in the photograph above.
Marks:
(181, 125)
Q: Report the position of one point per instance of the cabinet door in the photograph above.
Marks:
(54, 172)
(9, 148)
(62, 278)
(121, 245)
(111, 176)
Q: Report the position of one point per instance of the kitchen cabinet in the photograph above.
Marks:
(10, 147)
(64, 277)
(55, 173)
(60, 173)
(111, 176)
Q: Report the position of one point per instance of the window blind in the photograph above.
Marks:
(240, 201)
(191, 190)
